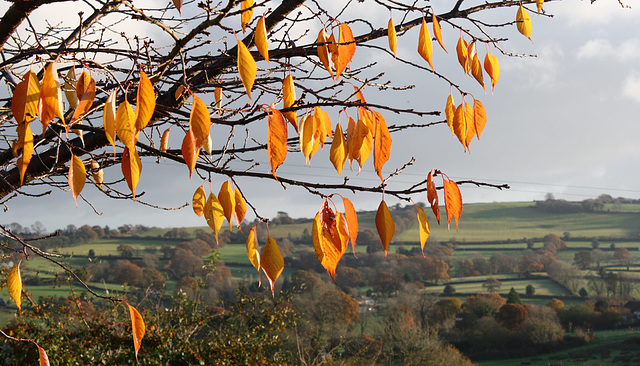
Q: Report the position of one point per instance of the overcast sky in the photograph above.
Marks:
(565, 122)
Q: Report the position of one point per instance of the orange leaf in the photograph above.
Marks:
(323, 127)
(492, 67)
(42, 357)
(391, 34)
(272, 262)
(109, 119)
(352, 222)
(25, 100)
(463, 55)
(338, 152)
(240, 209)
(199, 122)
(131, 168)
(217, 92)
(228, 201)
(476, 70)
(463, 117)
(137, 328)
(164, 140)
(14, 286)
(330, 238)
(246, 67)
(253, 250)
(214, 214)
(189, 151)
(346, 49)
(437, 32)
(323, 50)
(382, 145)
(25, 141)
(262, 43)
(70, 88)
(425, 47)
(178, 5)
(198, 201)
(432, 195)
(247, 12)
(523, 21)
(423, 226)
(77, 177)
(50, 96)
(146, 102)
(351, 133)
(385, 225)
(450, 111)
(86, 92)
(479, 117)
(452, 201)
(289, 99)
(276, 139)
(125, 124)
(97, 173)
(363, 142)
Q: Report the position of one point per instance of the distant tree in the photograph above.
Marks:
(303, 281)
(99, 230)
(386, 283)
(125, 272)
(583, 259)
(611, 283)
(92, 253)
(151, 278)
(612, 246)
(530, 262)
(513, 297)
(187, 285)
(556, 305)
(595, 244)
(511, 316)
(601, 305)
(125, 250)
(492, 285)
(446, 309)
(553, 243)
(184, 263)
(501, 264)
(348, 277)
(484, 304)
(166, 251)
(624, 256)
(449, 290)
(583, 292)
(530, 290)
(599, 256)
(38, 229)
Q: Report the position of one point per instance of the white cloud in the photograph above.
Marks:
(626, 51)
(537, 72)
(631, 87)
(592, 14)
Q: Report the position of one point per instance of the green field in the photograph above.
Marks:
(542, 286)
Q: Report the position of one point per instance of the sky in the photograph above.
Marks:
(564, 122)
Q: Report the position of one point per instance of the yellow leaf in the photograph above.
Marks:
(479, 117)
(338, 152)
(476, 71)
(391, 34)
(323, 125)
(146, 102)
(138, 328)
(323, 50)
(131, 168)
(214, 214)
(228, 201)
(346, 49)
(208, 145)
(97, 173)
(463, 55)
(308, 144)
(240, 209)
(523, 21)
(262, 43)
(449, 111)
(199, 122)
(432, 195)
(25, 141)
(246, 67)
(437, 32)
(452, 201)
(351, 133)
(272, 262)
(247, 12)
(382, 145)
(190, 152)
(109, 119)
(42, 357)
(253, 250)
(492, 67)
(352, 222)
(363, 142)
(461, 121)
(86, 92)
(125, 124)
(289, 100)
(198, 201)
(539, 5)
(277, 135)
(423, 226)
(70, 88)
(425, 47)
(164, 140)
(385, 225)
(14, 286)
(24, 103)
(50, 96)
(77, 177)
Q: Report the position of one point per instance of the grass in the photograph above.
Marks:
(542, 286)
